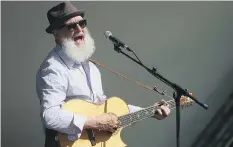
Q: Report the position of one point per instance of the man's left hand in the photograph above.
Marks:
(162, 110)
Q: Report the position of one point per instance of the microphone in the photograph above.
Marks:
(116, 41)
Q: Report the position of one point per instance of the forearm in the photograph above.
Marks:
(91, 123)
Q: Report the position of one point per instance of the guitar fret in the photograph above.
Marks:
(131, 118)
(136, 116)
(171, 103)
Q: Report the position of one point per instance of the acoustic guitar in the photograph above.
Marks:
(115, 105)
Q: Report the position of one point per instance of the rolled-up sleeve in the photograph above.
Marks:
(133, 108)
(51, 87)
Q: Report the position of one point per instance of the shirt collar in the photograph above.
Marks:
(71, 63)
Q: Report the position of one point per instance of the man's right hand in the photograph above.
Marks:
(105, 122)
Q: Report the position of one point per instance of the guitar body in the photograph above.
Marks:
(103, 139)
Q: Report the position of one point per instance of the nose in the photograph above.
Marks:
(78, 29)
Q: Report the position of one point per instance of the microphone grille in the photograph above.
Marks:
(107, 34)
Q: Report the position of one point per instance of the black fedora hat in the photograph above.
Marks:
(61, 13)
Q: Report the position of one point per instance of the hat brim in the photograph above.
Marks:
(61, 21)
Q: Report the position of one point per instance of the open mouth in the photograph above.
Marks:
(79, 39)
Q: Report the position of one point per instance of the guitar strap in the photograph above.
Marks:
(154, 89)
(51, 138)
(105, 108)
(90, 132)
(86, 68)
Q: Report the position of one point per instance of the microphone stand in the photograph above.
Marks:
(179, 91)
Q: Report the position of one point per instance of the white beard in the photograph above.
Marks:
(81, 52)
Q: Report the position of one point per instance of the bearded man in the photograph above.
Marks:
(66, 73)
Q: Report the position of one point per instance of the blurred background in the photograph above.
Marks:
(189, 42)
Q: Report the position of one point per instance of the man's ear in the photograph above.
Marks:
(55, 32)
(56, 36)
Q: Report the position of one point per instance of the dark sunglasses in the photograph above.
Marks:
(73, 26)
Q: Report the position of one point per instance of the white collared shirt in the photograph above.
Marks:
(59, 79)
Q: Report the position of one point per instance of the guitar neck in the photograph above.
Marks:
(129, 119)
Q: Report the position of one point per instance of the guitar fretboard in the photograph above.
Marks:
(129, 119)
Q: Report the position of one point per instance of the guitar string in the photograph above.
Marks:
(125, 124)
(128, 117)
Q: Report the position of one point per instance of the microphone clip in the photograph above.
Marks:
(154, 69)
(117, 48)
